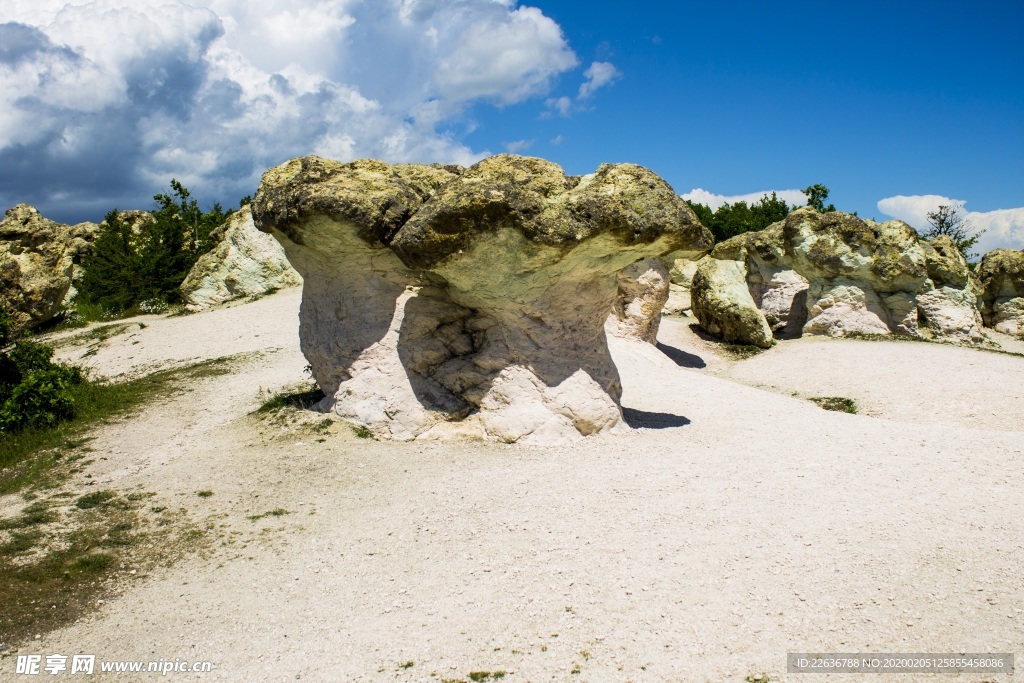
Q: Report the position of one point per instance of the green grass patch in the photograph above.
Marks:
(94, 562)
(362, 432)
(94, 499)
(32, 457)
(36, 514)
(837, 403)
(205, 493)
(478, 676)
(303, 399)
(21, 541)
(276, 512)
(51, 576)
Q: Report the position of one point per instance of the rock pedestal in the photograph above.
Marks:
(440, 301)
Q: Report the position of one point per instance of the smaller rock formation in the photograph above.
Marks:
(835, 274)
(1002, 281)
(244, 263)
(38, 258)
(724, 307)
(643, 292)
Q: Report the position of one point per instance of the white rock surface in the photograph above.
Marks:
(246, 263)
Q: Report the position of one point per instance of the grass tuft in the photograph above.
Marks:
(94, 499)
(837, 403)
(276, 512)
(302, 400)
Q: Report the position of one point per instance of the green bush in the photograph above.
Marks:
(730, 220)
(34, 391)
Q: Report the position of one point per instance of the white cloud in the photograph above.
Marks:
(1004, 228)
(557, 140)
(597, 76)
(562, 105)
(506, 57)
(714, 201)
(103, 100)
(517, 146)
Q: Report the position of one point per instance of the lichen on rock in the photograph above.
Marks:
(1001, 273)
(442, 301)
(835, 274)
(38, 262)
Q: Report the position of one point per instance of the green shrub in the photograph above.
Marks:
(730, 220)
(140, 267)
(34, 391)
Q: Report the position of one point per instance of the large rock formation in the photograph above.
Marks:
(439, 300)
(38, 258)
(244, 263)
(1002, 281)
(834, 274)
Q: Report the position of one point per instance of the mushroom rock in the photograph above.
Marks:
(38, 258)
(440, 301)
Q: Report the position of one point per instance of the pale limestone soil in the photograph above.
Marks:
(703, 551)
(923, 383)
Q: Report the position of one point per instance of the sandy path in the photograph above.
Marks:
(752, 524)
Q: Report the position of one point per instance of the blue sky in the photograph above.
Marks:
(895, 106)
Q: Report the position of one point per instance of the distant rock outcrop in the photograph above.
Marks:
(679, 293)
(1002, 281)
(38, 260)
(835, 274)
(245, 263)
(442, 301)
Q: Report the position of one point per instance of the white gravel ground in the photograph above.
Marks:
(735, 525)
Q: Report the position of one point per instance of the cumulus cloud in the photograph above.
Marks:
(1004, 228)
(562, 105)
(714, 201)
(597, 76)
(102, 101)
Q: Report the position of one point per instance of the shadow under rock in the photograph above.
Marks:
(681, 358)
(641, 419)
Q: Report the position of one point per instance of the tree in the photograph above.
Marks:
(734, 219)
(949, 220)
(769, 210)
(816, 196)
(130, 264)
(113, 277)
